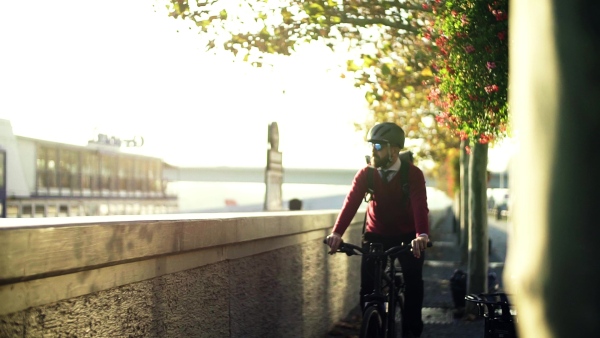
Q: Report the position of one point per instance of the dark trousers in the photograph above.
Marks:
(412, 270)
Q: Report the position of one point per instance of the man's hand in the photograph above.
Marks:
(334, 240)
(419, 244)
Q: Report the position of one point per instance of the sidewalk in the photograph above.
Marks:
(438, 308)
(441, 261)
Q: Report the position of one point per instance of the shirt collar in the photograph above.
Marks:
(394, 167)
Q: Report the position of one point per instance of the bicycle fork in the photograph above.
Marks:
(384, 302)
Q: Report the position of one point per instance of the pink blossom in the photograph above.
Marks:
(434, 94)
(485, 139)
(464, 20)
(500, 15)
(469, 49)
(491, 89)
(441, 40)
(442, 118)
(490, 65)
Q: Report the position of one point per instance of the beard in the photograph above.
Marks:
(379, 162)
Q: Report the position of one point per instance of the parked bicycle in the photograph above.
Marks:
(383, 310)
(499, 316)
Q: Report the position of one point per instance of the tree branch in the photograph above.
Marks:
(381, 21)
(408, 7)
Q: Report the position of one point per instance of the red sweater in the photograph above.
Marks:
(385, 213)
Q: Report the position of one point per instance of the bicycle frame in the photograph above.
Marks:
(385, 291)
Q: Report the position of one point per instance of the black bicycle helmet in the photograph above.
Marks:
(387, 132)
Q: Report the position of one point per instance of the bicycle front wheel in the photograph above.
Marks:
(372, 325)
(395, 324)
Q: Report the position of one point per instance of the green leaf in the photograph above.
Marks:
(203, 23)
(385, 70)
(351, 66)
(223, 15)
(287, 16)
(264, 33)
(314, 9)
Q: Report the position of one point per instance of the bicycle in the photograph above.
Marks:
(383, 310)
(499, 317)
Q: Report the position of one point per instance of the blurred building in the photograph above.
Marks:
(47, 179)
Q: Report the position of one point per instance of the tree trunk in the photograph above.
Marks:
(464, 203)
(552, 267)
(478, 227)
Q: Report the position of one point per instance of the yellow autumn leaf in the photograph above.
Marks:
(426, 72)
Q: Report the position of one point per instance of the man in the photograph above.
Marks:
(388, 220)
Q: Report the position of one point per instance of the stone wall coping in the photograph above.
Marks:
(35, 248)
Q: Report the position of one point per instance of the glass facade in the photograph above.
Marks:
(89, 171)
(2, 163)
(41, 169)
(81, 181)
(69, 170)
(125, 175)
(2, 183)
(73, 171)
(51, 172)
(108, 171)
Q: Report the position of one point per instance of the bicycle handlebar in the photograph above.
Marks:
(351, 249)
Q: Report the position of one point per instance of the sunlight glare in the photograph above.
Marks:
(75, 69)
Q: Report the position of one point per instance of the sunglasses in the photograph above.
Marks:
(378, 146)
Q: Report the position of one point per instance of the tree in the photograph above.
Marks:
(473, 68)
(399, 82)
(392, 58)
(472, 92)
(279, 26)
(551, 267)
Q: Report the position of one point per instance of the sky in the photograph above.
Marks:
(70, 70)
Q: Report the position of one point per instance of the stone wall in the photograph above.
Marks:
(235, 275)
